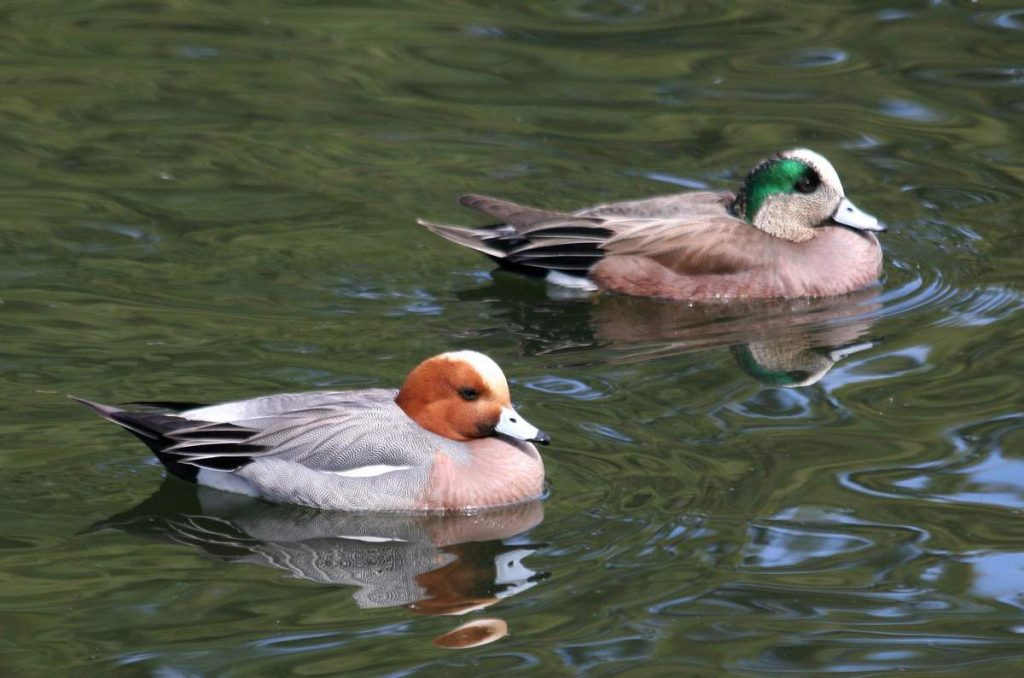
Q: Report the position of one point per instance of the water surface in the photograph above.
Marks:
(209, 201)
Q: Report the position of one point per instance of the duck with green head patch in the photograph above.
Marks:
(789, 231)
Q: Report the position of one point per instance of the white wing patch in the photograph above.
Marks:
(369, 471)
(223, 413)
(226, 481)
(573, 282)
(371, 540)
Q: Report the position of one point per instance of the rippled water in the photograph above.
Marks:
(213, 200)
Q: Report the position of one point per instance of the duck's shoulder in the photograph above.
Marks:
(689, 205)
(695, 244)
(342, 432)
(287, 404)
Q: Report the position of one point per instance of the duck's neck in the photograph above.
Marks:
(738, 207)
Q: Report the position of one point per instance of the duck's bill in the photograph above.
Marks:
(843, 352)
(850, 215)
(514, 426)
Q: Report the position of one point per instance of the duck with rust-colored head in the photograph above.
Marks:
(449, 439)
(788, 232)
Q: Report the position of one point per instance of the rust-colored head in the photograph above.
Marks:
(463, 395)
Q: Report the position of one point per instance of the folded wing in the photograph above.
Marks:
(689, 233)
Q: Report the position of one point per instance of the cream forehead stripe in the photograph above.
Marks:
(825, 169)
(484, 366)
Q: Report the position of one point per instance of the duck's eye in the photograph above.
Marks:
(808, 183)
(469, 393)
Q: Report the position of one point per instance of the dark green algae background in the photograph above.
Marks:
(211, 200)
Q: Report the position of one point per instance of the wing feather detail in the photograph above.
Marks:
(688, 233)
(334, 434)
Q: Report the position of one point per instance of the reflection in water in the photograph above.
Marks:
(785, 342)
(791, 364)
(431, 564)
(473, 634)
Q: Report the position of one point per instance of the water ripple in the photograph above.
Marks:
(564, 386)
(981, 471)
(915, 111)
(1011, 20)
(983, 306)
(981, 77)
(832, 60)
(203, 202)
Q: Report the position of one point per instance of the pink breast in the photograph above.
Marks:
(497, 473)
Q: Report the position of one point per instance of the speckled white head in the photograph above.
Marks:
(792, 193)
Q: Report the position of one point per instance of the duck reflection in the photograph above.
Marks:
(792, 363)
(446, 564)
(782, 343)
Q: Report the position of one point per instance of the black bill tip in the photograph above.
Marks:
(541, 438)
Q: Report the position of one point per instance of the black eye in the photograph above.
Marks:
(469, 393)
(808, 183)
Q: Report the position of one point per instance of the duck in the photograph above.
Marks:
(788, 232)
(447, 440)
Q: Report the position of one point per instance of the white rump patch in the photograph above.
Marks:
(369, 471)
(226, 481)
(573, 282)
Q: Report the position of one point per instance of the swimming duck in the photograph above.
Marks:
(788, 232)
(449, 439)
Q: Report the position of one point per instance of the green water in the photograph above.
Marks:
(204, 201)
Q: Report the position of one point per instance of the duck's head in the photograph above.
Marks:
(791, 193)
(462, 396)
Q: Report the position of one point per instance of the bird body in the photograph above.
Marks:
(788, 232)
(448, 439)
